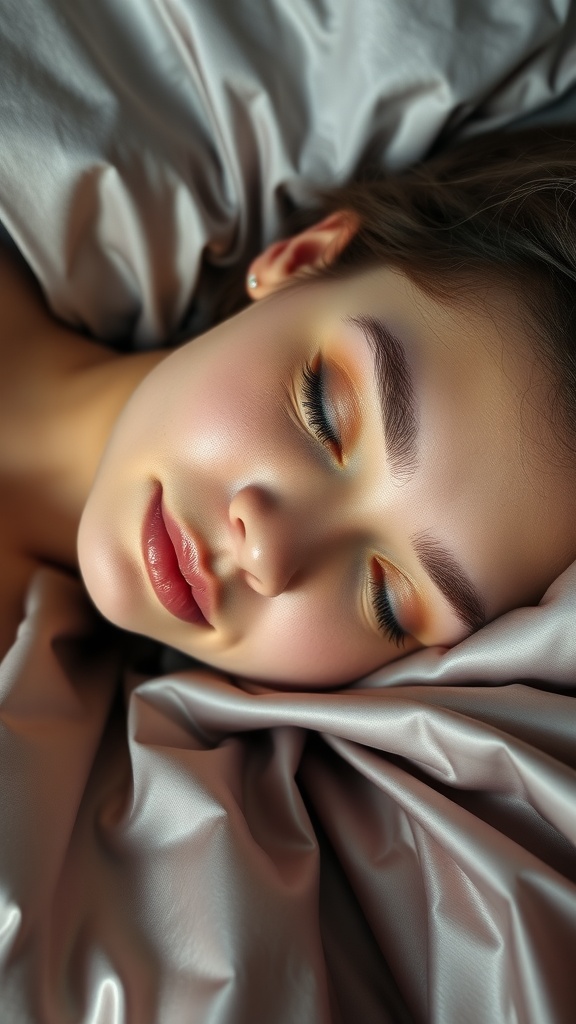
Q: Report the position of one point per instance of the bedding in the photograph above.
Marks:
(152, 145)
(180, 846)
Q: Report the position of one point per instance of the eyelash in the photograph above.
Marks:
(313, 392)
(317, 420)
(387, 621)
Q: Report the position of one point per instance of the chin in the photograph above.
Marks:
(108, 577)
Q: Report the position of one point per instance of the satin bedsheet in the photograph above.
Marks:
(180, 847)
(147, 146)
(188, 848)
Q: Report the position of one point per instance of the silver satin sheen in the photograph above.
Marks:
(214, 852)
(401, 850)
(146, 147)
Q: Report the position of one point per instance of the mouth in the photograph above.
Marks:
(173, 564)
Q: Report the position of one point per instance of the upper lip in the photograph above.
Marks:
(192, 558)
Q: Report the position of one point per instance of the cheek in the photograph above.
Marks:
(310, 643)
(222, 416)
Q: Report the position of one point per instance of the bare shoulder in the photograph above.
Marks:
(25, 334)
(17, 571)
(21, 300)
(22, 308)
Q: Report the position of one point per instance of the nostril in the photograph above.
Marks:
(253, 581)
(235, 519)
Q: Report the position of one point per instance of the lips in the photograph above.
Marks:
(173, 564)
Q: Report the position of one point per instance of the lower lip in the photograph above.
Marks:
(168, 584)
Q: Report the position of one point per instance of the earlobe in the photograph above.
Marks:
(307, 251)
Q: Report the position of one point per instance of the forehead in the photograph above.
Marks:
(486, 475)
(485, 324)
(473, 355)
(474, 351)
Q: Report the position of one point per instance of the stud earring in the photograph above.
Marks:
(252, 281)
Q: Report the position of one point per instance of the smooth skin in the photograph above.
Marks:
(294, 530)
(298, 534)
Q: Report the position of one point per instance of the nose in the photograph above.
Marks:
(264, 540)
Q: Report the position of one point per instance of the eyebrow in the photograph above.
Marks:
(396, 392)
(451, 580)
(400, 420)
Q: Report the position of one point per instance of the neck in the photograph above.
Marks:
(74, 391)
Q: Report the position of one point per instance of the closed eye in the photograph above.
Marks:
(314, 403)
(319, 422)
(387, 621)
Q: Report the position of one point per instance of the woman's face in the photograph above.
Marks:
(347, 470)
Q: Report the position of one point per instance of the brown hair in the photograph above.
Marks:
(500, 206)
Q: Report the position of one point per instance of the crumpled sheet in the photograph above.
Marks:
(148, 146)
(402, 850)
(177, 847)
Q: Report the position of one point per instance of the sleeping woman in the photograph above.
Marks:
(376, 455)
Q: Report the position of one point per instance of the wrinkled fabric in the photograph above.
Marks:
(390, 852)
(175, 845)
(147, 146)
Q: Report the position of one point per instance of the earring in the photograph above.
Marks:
(252, 281)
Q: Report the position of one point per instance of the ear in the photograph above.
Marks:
(317, 246)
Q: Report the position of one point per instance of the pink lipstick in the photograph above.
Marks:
(173, 566)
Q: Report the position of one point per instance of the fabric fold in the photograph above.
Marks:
(189, 840)
(149, 147)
